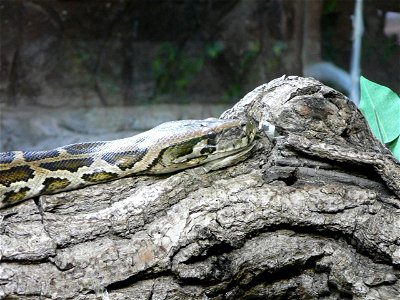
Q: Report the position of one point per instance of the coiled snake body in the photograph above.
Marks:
(169, 147)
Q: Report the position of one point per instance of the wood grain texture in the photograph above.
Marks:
(313, 214)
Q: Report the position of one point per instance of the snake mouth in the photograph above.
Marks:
(228, 158)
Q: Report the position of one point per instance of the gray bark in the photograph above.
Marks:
(313, 214)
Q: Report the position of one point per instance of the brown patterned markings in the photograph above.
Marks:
(123, 160)
(83, 148)
(38, 155)
(16, 174)
(12, 196)
(99, 176)
(71, 165)
(53, 184)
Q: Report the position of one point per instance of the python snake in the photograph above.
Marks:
(169, 147)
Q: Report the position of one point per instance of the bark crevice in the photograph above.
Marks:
(312, 214)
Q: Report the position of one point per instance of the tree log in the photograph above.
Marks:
(312, 214)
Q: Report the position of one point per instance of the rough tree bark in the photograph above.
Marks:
(313, 214)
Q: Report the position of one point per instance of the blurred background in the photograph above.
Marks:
(74, 71)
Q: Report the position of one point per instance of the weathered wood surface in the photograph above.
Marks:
(313, 214)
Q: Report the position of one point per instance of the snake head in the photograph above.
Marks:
(213, 143)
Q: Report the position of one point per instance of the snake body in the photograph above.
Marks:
(167, 148)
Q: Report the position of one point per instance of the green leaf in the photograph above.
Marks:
(381, 108)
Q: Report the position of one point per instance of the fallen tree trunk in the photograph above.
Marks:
(313, 214)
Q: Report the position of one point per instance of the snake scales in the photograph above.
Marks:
(169, 147)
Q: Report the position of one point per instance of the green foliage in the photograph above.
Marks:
(247, 60)
(381, 108)
(274, 62)
(84, 66)
(233, 91)
(174, 69)
(329, 6)
(79, 62)
(278, 48)
(214, 49)
(249, 55)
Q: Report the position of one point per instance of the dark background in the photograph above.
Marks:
(113, 53)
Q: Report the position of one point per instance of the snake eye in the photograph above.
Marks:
(211, 135)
